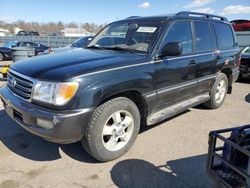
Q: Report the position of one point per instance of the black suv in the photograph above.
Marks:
(137, 71)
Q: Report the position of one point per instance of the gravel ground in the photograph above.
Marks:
(171, 154)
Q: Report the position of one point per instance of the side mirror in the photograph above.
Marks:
(172, 49)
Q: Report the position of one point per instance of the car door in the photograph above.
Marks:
(35, 46)
(176, 74)
(207, 55)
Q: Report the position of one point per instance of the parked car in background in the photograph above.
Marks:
(5, 50)
(79, 43)
(27, 33)
(245, 63)
(241, 25)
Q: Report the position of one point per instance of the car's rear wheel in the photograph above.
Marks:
(112, 130)
(218, 92)
(1, 56)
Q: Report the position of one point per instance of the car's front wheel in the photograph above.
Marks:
(112, 130)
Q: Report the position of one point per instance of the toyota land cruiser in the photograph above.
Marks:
(137, 71)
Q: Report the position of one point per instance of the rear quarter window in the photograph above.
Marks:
(224, 35)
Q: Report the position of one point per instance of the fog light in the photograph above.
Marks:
(44, 124)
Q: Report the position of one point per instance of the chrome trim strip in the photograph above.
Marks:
(187, 56)
(150, 95)
(207, 78)
(27, 78)
(170, 88)
(118, 68)
(28, 100)
(164, 90)
(229, 50)
(157, 61)
(23, 76)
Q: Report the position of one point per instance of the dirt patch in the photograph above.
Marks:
(34, 173)
(9, 184)
(94, 177)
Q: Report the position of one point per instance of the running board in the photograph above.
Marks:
(176, 109)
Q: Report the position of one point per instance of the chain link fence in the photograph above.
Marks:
(51, 41)
(61, 41)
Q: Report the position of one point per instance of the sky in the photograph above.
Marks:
(106, 11)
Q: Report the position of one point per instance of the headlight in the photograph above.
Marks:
(55, 93)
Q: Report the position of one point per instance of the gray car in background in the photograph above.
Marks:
(79, 43)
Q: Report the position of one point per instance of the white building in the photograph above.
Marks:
(16, 30)
(75, 32)
(4, 32)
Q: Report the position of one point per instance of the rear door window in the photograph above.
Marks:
(203, 37)
(224, 35)
(181, 31)
(213, 37)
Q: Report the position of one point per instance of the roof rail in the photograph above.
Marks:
(131, 17)
(208, 16)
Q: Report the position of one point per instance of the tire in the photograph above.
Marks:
(112, 130)
(218, 92)
(39, 53)
(1, 56)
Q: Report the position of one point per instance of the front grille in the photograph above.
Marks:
(20, 85)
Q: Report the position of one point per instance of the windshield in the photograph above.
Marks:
(9, 44)
(134, 36)
(246, 50)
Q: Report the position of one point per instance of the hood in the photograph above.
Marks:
(62, 66)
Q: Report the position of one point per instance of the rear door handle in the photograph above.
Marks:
(192, 63)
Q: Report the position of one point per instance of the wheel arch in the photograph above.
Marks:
(228, 72)
(136, 97)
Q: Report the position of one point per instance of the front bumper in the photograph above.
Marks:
(68, 126)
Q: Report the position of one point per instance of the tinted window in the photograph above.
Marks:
(203, 39)
(224, 36)
(181, 32)
(20, 44)
(30, 44)
(213, 36)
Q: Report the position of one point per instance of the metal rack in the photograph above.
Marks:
(196, 14)
(227, 172)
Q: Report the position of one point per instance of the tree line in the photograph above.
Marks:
(50, 27)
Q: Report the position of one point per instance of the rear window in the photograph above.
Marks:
(224, 35)
(203, 37)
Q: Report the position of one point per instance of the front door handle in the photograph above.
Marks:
(217, 54)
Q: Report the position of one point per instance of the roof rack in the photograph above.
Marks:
(131, 17)
(195, 14)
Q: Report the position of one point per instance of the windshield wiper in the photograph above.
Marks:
(117, 48)
(95, 47)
